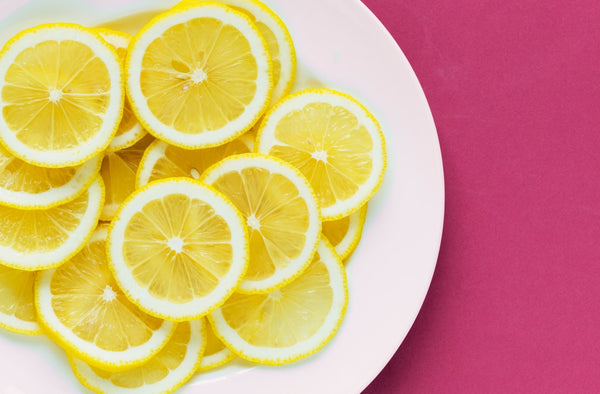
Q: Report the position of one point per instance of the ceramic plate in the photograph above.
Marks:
(340, 44)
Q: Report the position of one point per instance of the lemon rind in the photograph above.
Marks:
(228, 132)
(191, 361)
(352, 237)
(100, 141)
(140, 297)
(281, 356)
(266, 140)
(77, 346)
(297, 266)
(81, 181)
(31, 262)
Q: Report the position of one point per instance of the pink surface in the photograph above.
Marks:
(514, 87)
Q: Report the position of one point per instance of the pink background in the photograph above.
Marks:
(514, 87)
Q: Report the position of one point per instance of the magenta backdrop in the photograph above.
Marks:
(514, 87)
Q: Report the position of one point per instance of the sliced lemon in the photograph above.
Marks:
(178, 248)
(41, 239)
(163, 373)
(26, 186)
(83, 309)
(344, 234)
(118, 172)
(216, 354)
(163, 161)
(290, 323)
(199, 76)
(17, 310)
(281, 213)
(336, 143)
(61, 95)
(130, 130)
(277, 36)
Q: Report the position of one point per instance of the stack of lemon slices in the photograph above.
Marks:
(166, 205)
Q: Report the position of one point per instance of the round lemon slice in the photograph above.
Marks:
(83, 309)
(163, 161)
(290, 323)
(41, 239)
(61, 95)
(17, 310)
(178, 248)
(130, 130)
(344, 234)
(199, 76)
(163, 373)
(118, 172)
(336, 143)
(278, 38)
(216, 354)
(25, 186)
(281, 213)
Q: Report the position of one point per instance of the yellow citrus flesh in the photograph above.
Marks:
(277, 37)
(178, 248)
(216, 353)
(163, 373)
(199, 76)
(41, 239)
(17, 310)
(290, 323)
(130, 131)
(344, 234)
(82, 307)
(118, 172)
(26, 186)
(334, 141)
(163, 161)
(281, 214)
(62, 95)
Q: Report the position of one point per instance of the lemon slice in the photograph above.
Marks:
(278, 38)
(164, 373)
(17, 310)
(216, 354)
(41, 239)
(199, 76)
(281, 213)
(290, 323)
(83, 309)
(26, 186)
(118, 172)
(62, 95)
(336, 143)
(344, 234)
(130, 130)
(162, 161)
(178, 248)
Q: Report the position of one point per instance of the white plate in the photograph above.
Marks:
(341, 44)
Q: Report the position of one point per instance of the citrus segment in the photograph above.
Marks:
(61, 95)
(41, 239)
(335, 142)
(118, 172)
(290, 323)
(344, 234)
(17, 310)
(199, 76)
(163, 161)
(163, 373)
(26, 186)
(216, 354)
(178, 248)
(82, 308)
(281, 214)
(130, 130)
